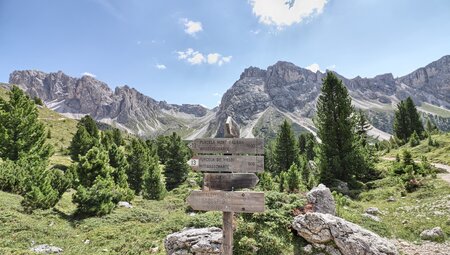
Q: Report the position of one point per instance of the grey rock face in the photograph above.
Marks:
(348, 238)
(46, 249)
(125, 107)
(322, 200)
(433, 234)
(257, 101)
(203, 241)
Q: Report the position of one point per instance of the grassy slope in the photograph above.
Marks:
(125, 231)
(436, 154)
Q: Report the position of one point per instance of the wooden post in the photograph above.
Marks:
(231, 131)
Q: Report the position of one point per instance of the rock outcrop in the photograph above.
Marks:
(346, 237)
(322, 200)
(203, 241)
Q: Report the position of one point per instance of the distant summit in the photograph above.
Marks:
(258, 101)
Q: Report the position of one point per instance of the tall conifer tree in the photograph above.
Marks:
(176, 169)
(286, 150)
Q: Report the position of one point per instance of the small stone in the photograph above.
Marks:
(372, 217)
(434, 234)
(154, 250)
(46, 249)
(391, 199)
(124, 204)
(308, 249)
(87, 241)
(373, 211)
(322, 200)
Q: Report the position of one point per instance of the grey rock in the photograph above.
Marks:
(348, 238)
(433, 234)
(391, 199)
(372, 217)
(46, 249)
(203, 241)
(322, 200)
(124, 204)
(373, 211)
(342, 187)
(308, 249)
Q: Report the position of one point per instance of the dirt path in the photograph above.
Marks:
(445, 176)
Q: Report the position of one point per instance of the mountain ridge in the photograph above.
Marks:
(258, 100)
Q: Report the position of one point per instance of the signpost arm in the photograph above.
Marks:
(231, 131)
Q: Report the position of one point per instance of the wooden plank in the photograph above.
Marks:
(228, 145)
(229, 181)
(227, 201)
(227, 233)
(237, 164)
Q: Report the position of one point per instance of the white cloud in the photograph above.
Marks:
(314, 68)
(192, 27)
(216, 94)
(255, 32)
(195, 57)
(283, 13)
(89, 74)
(213, 58)
(160, 66)
(332, 67)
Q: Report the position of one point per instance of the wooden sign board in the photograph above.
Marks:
(228, 182)
(237, 164)
(228, 145)
(227, 201)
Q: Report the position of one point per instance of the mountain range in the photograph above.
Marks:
(258, 101)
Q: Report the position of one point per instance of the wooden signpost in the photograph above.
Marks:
(226, 171)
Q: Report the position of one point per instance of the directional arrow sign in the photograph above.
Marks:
(240, 164)
(229, 181)
(228, 145)
(227, 201)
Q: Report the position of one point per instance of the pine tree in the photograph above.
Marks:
(21, 133)
(269, 157)
(302, 143)
(362, 126)
(153, 183)
(176, 169)
(293, 178)
(407, 120)
(335, 126)
(414, 117)
(430, 126)
(86, 137)
(100, 186)
(117, 137)
(162, 144)
(310, 146)
(138, 160)
(286, 149)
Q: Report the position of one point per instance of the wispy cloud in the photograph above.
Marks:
(192, 27)
(332, 67)
(314, 68)
(216, 94)
(196, 58)
(255, 32)
(160, 66)
(282, 13)
(88, 74)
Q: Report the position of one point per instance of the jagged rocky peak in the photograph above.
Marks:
(254, 72)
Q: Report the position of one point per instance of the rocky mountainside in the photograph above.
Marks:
(258, 101)
(125, 107)
(261, 99)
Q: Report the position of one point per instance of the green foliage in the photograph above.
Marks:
(269, 157)
(38, 101)
(266, 181)
(414, 140)
(341, 201)
(86, 137)
(162, 145)
(338, 156)
(95, 200)
(407, 120)
(21, 133)
(139, 160)
(153, 182)
(293, 178)
(41, 195)
(176, 169)
(362, 126)
(100, 185)
(286, 149)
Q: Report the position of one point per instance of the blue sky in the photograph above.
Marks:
(193, 51)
